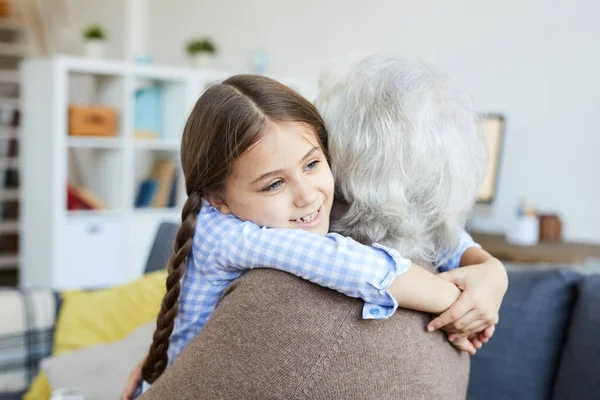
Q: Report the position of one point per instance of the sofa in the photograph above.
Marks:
(545, 347)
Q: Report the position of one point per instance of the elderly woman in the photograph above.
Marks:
(408, 160)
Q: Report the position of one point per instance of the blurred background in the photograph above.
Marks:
(531, 67)
(94, 95)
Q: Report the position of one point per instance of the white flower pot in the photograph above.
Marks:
(94, 48)
(203, 60)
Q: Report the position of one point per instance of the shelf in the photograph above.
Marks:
(95, 213)
(95, 142)
(9, 226)
(85, 65)
(170, 212)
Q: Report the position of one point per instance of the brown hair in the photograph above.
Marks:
(225, 122)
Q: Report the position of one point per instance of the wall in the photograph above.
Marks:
(535, 61)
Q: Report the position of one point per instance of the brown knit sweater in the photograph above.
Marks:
(276, 336)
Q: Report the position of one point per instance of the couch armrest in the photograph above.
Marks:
(26, 332)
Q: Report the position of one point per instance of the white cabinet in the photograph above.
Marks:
(94, 253)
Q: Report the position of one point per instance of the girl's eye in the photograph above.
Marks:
(312, 165)
(273, 186)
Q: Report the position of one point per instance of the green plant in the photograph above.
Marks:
(94, 31)
(198, 46)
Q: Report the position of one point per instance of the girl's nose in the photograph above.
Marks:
(306, 194)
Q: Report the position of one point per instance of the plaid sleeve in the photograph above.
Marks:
(453, 261)
(332, 261)
(28, 318)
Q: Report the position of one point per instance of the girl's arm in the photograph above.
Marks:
(375, 274)
(419, 289)
(466, 244)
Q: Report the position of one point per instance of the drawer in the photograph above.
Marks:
(94, 253)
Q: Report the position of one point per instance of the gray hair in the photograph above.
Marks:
(407, 154)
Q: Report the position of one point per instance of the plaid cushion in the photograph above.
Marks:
(28, 318)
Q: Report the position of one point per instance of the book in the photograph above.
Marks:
(173, 194)
(146, 193)
(163, 173)
(80, 198)
(73, 200)
(90, 199)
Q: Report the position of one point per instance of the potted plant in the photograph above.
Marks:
(202, 52)
(94, 40)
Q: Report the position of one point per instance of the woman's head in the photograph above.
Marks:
(406, 153)
(255, 148)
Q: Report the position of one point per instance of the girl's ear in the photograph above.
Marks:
(218, 202)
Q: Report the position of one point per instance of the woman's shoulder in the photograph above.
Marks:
(280, 325)
(330, 336)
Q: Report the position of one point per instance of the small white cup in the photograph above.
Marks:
(524, 231)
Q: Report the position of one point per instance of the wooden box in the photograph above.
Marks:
(92, 121)
(5, 10)
(550, 228)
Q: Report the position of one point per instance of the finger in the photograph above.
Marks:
(489, 331)
(464, 345)
(475, 327)
(456, 311)
(476, 342)
(456, 276)
(460, 324)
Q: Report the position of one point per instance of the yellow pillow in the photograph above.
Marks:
(102, 316)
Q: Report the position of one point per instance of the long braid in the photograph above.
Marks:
(157, 359)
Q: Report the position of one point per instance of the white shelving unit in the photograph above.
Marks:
(64, 249)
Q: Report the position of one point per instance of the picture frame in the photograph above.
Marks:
(493, 127)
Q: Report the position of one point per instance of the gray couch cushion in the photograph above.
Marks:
(521, 360)
(162, 248)
(578, 373)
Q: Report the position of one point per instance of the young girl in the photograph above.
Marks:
(254, 156)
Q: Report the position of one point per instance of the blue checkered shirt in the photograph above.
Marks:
(224, 248)
(464, 242)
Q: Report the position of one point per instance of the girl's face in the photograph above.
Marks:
(284, 181)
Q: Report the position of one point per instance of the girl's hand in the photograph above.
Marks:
(464, 344)
(485, 335)
(133, 381)
(473, 342)
(483, 286)
(480, 338)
